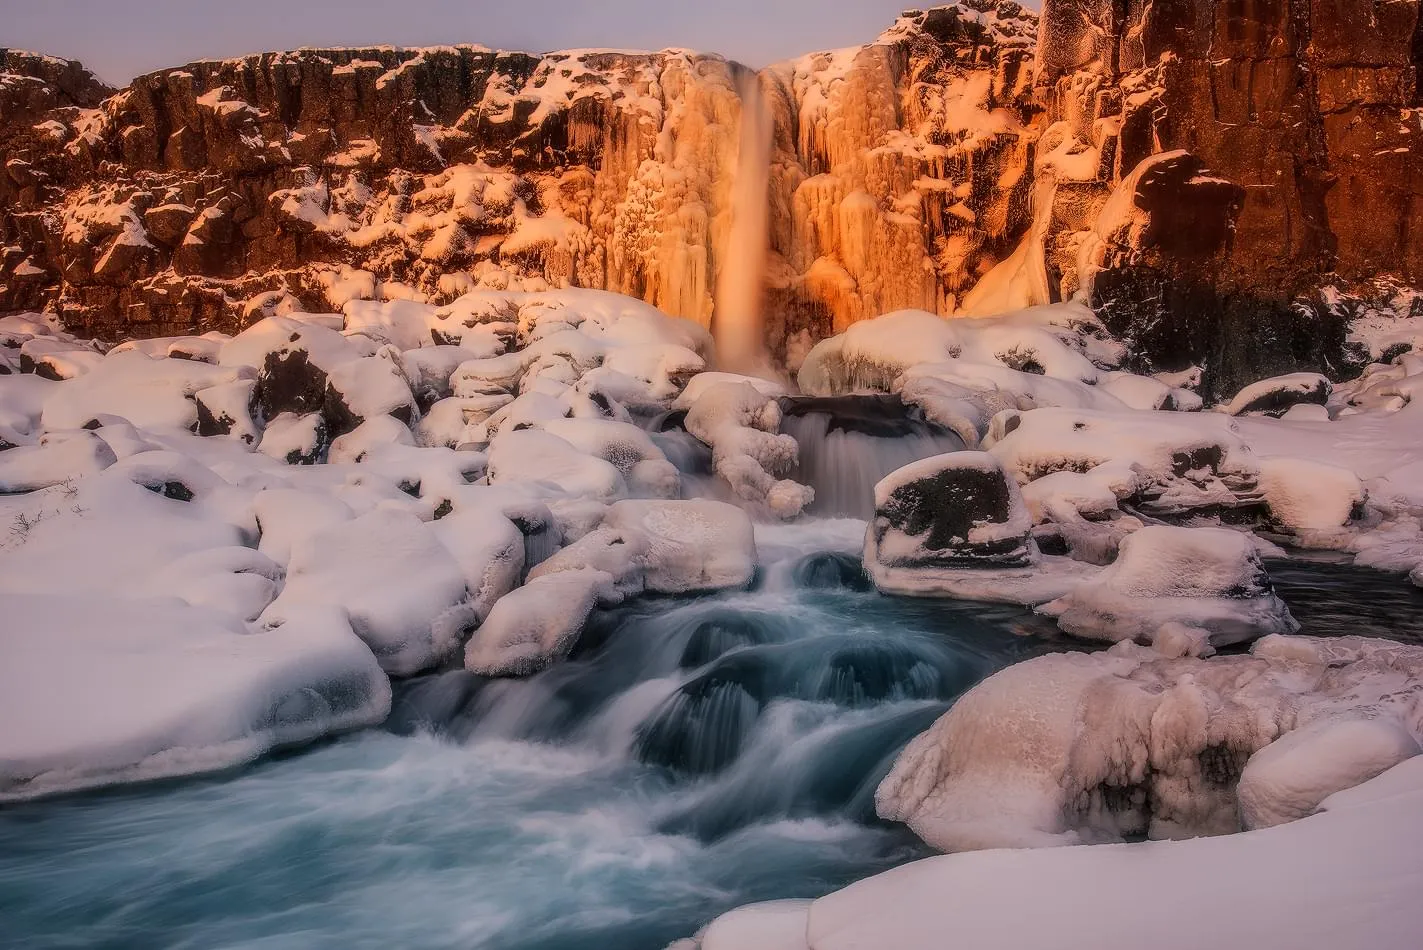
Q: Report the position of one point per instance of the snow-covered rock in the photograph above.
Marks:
(296, 440)
(1207, 578)
(955, 526)
(1278, 394)
(1073, 748)
(1303, 496)
(112, 690)
(55, 458)
(693, 546)
(532, 456)
(405, 593)
(537, 624)
(1162, 463)
(147, 392)
(1292, 776)
(741, 425)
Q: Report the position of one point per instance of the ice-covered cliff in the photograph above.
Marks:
(318, 176)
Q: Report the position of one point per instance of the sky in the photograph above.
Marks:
(119, 39)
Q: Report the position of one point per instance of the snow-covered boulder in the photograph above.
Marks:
(405, 593)
(532, 456)
(1074, 748)
(152, 393)
(1307, 497)
(228, 409)
(1275, 396)
(627, 448)
(1292, 776)
(741, 425)
(1207, 578)
(296, 440)
(537, 624)
(111, 690)
(1163, 463)
(955, 526)
(292, 358)
(364, 389)
(55, 458)
(692, 546)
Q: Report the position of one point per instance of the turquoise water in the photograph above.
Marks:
(693, 756)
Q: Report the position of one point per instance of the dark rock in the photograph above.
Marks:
(956, 510)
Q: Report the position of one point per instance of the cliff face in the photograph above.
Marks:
(199, 196)
(1198, 171)
(1307, 108)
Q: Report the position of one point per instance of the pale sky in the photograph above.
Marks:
(119, 39)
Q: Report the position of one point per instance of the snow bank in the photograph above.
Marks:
(116, 690)
(1346, 877)
(1208, 579)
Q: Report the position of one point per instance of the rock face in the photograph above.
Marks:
(1307, 108)
(1208, 176)
(206, 196)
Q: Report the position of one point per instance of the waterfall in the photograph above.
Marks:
(737, 324)
(848, 443)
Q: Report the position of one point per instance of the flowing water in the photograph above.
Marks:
(849, 443)
(692, 756)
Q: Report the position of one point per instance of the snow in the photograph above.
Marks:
(1261, 889)
(741, 425)
(119, 690)
(403, 590)
(1205, 578)
(537, 624)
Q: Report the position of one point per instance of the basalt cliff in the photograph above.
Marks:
(1226, 181)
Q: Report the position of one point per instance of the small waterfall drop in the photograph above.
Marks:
(848, 443)
(737, 325)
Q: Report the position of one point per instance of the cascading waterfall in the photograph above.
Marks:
(848, 443)
(737, 324)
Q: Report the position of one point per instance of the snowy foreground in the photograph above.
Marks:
(217, 546)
